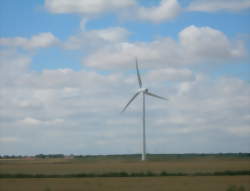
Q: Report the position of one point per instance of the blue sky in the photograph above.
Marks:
(193, 51)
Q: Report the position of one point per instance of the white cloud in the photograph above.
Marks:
(241, 131)
(218, 5)
(170, 74)
(31, 121)
(41, 40)
(83, 23)
(132, 9)
(120, 55)
(9, 140)
(96, 38)
(168, 9)
(195, 45)
(208, 105)
(111, 34)
(12, 66)
(35, 122)
(86, 7)
(208, 42)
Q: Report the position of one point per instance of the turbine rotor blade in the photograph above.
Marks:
(138, 74)
(154, 95)
(130, 101)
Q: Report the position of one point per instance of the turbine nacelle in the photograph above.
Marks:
(144, 90)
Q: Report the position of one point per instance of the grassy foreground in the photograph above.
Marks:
(190, 167)
(213, 183)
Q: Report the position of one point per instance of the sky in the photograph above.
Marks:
(67, 69)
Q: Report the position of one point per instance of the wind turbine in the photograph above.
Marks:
(144, 92)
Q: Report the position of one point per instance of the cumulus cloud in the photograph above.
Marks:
(204, 105)
(219, 5)
(131, 9)
(41, 40)
(209, 42)
(195, 45)
(12, 66)
(89, 39)
(86, 7)
(168, 9)
(8, 140)
(170, 74)
(29, 121)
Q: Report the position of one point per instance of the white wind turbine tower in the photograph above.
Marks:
(143, 91)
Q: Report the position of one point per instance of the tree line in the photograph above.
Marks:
(129, 156)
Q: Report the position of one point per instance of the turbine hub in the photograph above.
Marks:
(143, 90)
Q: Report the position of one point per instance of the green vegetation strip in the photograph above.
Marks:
(125, 174)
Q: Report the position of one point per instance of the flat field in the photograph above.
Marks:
(99, 165)
(103, 165)
(212, 183)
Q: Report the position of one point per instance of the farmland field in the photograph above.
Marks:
(127, 184)
(99, 165)
(102, 165)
